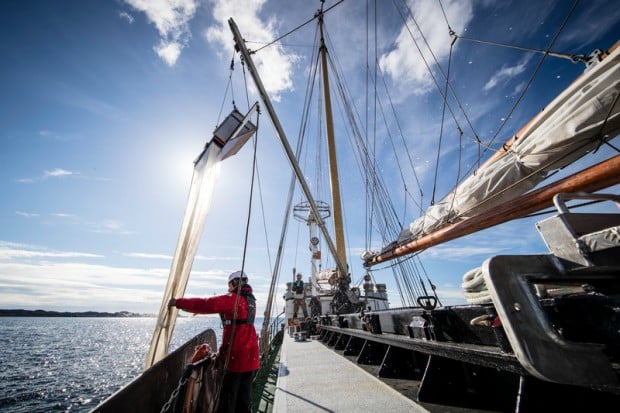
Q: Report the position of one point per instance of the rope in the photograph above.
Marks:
(187, 374)
(475, 137)
(245, 246)
(474, 287)
(409, 285)
(229, 85)
(527, 86)
(226, 359)
(575, 58)
(318, 15)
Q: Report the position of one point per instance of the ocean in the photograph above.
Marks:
(50, 364)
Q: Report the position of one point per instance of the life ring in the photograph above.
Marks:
(200, 353)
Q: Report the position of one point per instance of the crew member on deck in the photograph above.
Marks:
(299, 294)
(241, 360)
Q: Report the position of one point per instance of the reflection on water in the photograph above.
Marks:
(72, 364)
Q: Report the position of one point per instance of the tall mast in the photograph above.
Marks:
(240, 44)
(331, 152)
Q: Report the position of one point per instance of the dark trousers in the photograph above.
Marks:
(236, 393)
(300, 303)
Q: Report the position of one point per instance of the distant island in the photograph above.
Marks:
(44, 313)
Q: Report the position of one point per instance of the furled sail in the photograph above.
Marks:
(228, 138)
(578, 121)
(575, 123)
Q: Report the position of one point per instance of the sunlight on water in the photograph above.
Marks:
(72, 364)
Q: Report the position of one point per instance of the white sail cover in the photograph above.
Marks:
(566, 130)
(206, 172)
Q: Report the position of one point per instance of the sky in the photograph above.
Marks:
(106, 104)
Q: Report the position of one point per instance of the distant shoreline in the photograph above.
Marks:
(44, 313)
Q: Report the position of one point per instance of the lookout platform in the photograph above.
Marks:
(313, 378)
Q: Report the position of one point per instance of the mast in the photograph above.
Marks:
(303, 213)
(240, 45)
(595, 178)
(331, 151)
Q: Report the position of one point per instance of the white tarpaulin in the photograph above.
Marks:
(565, 131)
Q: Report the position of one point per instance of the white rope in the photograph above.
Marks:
(474, 288)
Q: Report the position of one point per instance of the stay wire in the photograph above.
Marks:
(364, 159)
(229, 85)
(297, 28)
(575, 57)
(475, 137)
(402, 136)
(408, 286)
(528, 84)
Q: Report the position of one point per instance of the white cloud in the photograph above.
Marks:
(78, 286)
(403, 63)
(58, 172)
(168, 51)
(10, 251)
(27, 214)
(54, 173)
(460, 252)
(149, 256)
(25, 180)
(126, 16)
(504, 75)
(32, 277)
(275, 66)
(62, 215)
(171, 18)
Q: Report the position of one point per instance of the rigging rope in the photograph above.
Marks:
(226, 360)
(575, 58)
(527, 86)
(475, 137)
(403, 140)
(408, 282)
(229, 85)
(297, 28)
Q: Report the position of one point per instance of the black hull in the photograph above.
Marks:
(559, 353)
(441, 375)
(150, 391)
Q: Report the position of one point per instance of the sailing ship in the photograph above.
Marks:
(535, 331)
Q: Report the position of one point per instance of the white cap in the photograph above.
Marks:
(237, 274)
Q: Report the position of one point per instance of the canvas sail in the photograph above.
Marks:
(206, 172)
(575, 123)
(228, 138)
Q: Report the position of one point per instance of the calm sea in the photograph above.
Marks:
(50, 364)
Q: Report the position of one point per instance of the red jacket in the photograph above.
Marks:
(244, 353)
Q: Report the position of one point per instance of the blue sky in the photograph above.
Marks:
(105, 105)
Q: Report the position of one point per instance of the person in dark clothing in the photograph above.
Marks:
(238, 353)
(299, 295)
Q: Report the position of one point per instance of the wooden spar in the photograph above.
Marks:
(597, 177)
(333, 165)
(240, 45)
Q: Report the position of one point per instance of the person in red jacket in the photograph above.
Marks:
(238, 352)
